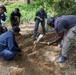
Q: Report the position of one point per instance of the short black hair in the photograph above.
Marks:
(42, 10)
(17, 9)
(16, 29)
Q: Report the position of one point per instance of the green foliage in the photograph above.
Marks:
(53, 8)
(27, 11)
(64, 7)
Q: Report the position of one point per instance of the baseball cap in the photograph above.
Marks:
(50, 20)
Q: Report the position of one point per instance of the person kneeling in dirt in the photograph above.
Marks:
(2, 18)
(63, 25)
(40, 18)
(8, 45)
(15, 17)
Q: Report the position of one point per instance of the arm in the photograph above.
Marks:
(60, 31)
(45, 14)
(19, 18)
(39, 18)
(58, 38)
(12, 45)
(12, 17)
(37, 15)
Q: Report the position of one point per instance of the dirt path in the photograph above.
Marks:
(40, 61)
(27, 28)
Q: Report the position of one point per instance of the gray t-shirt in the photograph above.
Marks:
(66, 22)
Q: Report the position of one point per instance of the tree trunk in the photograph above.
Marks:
(28, 1)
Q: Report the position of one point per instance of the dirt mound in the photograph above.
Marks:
(40, 61)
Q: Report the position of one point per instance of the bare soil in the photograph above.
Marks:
(39, 61)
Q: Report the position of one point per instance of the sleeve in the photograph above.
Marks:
(11, 15)
(37, 13)
(61, 26)
(45, 14)
(12, 45)
(20, 14)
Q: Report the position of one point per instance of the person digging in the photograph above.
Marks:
(65, 27)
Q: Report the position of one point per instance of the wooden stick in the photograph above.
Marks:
(38, 39)
(43, 43)
(34, 46)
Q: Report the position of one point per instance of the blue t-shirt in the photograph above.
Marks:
(66, 22)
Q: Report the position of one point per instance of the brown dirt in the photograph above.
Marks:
(39, 61)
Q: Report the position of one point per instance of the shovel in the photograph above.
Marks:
(43, 43)
(38, 39)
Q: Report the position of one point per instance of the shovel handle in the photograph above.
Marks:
(43, 43)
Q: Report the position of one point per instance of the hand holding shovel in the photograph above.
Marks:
(38, 39)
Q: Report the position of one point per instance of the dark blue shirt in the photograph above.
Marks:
(7, 41)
